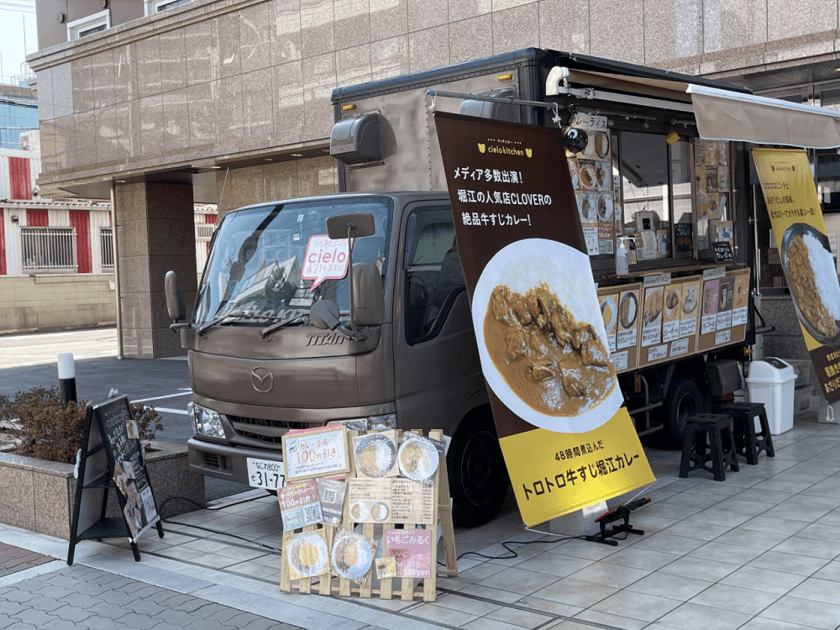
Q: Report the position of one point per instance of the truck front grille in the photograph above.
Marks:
(269, 431)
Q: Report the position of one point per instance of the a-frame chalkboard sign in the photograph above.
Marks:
(112, 457)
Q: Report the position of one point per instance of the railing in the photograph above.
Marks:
(48, 249)
(106, 247)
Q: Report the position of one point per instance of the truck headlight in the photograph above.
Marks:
(206, 421)
(385, 422)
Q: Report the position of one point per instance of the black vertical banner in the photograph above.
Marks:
(567, 440)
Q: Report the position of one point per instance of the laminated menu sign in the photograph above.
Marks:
(331, 492)
(708, 319)
(389, 500)
(652, 317)
(315, 453)
(807, 261)
(689, 310)
(740, 299)
(671, 313)
(609, 312)
(725, 293)
(566, 437)
(300, 504)
(411, 550)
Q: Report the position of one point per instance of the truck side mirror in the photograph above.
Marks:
(369, 294)
(174, 297)
(360, 224)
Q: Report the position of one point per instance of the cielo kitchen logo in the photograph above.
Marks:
(504, 147)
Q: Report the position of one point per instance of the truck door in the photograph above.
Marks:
(438, 374)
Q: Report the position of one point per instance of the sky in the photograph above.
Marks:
(18, 36)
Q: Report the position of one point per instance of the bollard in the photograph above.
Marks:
(66, 377)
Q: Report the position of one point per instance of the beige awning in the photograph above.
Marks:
(725, 115)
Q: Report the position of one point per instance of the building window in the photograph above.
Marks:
(48, 249)
(158, 6)
(89, 25)
(106, 248)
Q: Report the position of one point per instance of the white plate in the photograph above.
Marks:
(521, 266)
(316, 568)
(382, 450)
(364, 556)
(609, 302)
(425, 466)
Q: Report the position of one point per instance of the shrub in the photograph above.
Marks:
(46, 427)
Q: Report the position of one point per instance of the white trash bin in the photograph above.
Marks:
(771, 382)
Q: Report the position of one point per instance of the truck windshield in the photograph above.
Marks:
(272, 262)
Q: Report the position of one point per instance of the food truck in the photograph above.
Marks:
(279, 339)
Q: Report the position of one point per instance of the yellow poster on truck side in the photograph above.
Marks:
(809, 267)
(565, 434)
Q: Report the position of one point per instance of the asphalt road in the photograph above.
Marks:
(28, 361)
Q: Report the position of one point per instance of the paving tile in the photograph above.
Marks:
(518, 581)
(438, 614)
(803, 611)
(720, 517)
(818, 590)
(789, 563)
(762, 623)
(518, 617)
(742, 506)
(690, 567)
(575, 592)
(636, 605)
(610, 620)
(695, 616)
(493, 594)
(665, 542)
(687, 529)
(751, 538)
(719, 552)
(774, 525)
(466, 604)
(817, 548)
(613, 575)
(831, 571)
(734, 598)
(768, 580)
(490, 624)
(554, 564)
(674, 586)
(551, 607)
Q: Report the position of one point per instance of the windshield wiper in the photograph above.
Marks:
(237, 314)
(278, 325)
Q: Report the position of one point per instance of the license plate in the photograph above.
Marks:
(265, 473)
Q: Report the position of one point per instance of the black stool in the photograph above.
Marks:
(748, 443)
(720, 445)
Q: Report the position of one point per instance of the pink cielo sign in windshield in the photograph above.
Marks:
(325, 259)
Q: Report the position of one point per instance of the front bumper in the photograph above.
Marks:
(223, 461)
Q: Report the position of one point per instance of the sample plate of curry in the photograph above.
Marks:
(541, 337)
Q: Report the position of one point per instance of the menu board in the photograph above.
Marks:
(300, 504)
(411, 551)
(591, 172)
(620, 309)
(711, 186)
(389, 499)
(315, 453)
(119, 430)
(724, 314)
(679, 316)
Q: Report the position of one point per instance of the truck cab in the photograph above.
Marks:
(261, 363)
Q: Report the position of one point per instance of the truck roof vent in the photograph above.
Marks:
(486, 109)
(356, 141)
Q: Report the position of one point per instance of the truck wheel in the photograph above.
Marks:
(684, 400)
(478, 480)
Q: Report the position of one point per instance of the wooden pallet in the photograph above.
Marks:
(408, 588)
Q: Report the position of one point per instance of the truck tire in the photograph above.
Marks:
(684, 400)
(478, 479)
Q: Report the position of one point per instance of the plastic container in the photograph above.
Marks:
(771, 382)
(802, 367)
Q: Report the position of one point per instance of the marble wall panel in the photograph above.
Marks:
(130, 204)
(280, 180)
(202, 113)
(138, 344)
(85, 140)
(319, 80)
(125, 73)
(45, 94)
(423, 14)
(65, 143)
(132, 238)
(352, 23)
(169, 237)
(166, 344)
(287, 83)
(353, 65)
(565, 25)
(165, 202)
(151, 127)
(62, 90)
(285, 31)
(159, 264)
(428, 49)
(128, 126)
(471, 38)
(17, 498)
(672, 29)
(389, 57)
(244, 187)
(388, 18)
(502, 5)
(102, 76)
(176, 121)
(107, 135)
(317, 25)
(51, 519)
(465, 9)
(802, 47)
(228, 101)
(515, 28)
(47, 134)
(733, 23)
(198, 43)
(148, 66)
(135, 299)
(617, 30)
(82, 84)
(317, 176)
(807, 18)
(173, 60)
(255, 37)
(226, 53)
(257, 110)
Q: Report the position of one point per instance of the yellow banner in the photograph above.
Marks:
(559, 473)
(809, 267)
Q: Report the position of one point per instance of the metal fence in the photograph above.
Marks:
(48, 249)
(106, 247)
